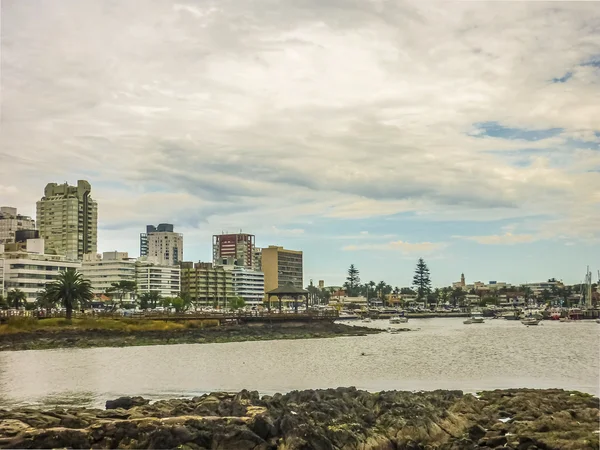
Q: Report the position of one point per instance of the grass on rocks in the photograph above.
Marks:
(28, 324)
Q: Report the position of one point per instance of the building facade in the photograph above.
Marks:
(11, 222)
(166, 280)
(282, 267)
(29, 269)
(162, 245)
(207, 284)
(248, 284)
(234, 249)
(108, 268)
(67, 218)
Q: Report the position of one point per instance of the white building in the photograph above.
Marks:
(248, 284)
(161, 245)
(29, 269)
(10, 222)
(538, 288)
(166, 280)
(108, 268)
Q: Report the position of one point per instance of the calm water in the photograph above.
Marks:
(443, 354)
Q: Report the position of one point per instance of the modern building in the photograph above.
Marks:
(281, 267)
(538, 288)
(257, 258)
(162, 245)
(11, 222)
(102, 270)
(207, 284)
(248, 284)
(67, 218)
(29, 269)
(164, 279)
(234, 249)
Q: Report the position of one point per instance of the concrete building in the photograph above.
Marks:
(162, 245)
(281, 267)
(67, 218)
(164, 279)
(11, 222)
(234, 249)
(207, 284)
(257, 258)
(109, 267)
(248, 284)
(537, 288)
(29, 269)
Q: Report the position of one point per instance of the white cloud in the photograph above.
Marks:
(401, 246)
(286, 232)
(501, 239)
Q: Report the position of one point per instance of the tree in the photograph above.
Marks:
(71, 290)
(149, 300)
(457, 295)
(180, 304)
(121, 289)
(237, 303)
(352, 283)
(421, 280)
(407, 291)
(3, 303)
(45, 301)
(16, 298)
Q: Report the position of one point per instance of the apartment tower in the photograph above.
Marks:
(234, 250)
(281, 267)
(11, 222)
(67, 219)
(162, 245)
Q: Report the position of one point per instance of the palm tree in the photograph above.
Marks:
(3, 304)
(70, 289)
(45, 300)
(16, 297)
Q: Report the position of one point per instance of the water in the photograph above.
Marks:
(442, 354)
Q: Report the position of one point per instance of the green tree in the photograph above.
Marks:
(546, 295)
(407, 291)
(149, 300)
(457, 296)
(3, 303)
(237, 303)
(121, 289)
(487, 300)
(16, 298)
(180, 304)
(45, 301)
(421, 280)
(352, 281)
(71, 290)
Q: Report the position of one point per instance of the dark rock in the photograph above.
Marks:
(263, 426)
(126, 402)
(496, 441)
(476, 432)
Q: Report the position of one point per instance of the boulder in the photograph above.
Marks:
(126, 402)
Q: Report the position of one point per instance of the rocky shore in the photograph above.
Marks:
(85, 338)
(343, 418)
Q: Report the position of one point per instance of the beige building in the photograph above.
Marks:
(67, 219)
(162, 245)
(206, 284)
(11, 222)
(281, 267)
(102, 270)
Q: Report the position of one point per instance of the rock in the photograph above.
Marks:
(12, 427)
(476, 432)
(263, 426)
(126, 402)
(497, 441)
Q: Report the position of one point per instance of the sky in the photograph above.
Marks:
(365, 132)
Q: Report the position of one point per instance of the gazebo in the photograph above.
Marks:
(289, 291)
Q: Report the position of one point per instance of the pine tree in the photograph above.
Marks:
(421, 280)
(352, 283)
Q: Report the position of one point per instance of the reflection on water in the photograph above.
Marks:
(442, 354)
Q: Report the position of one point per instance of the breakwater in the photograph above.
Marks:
(348, 418)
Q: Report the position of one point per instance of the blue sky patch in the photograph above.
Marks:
(563, 79)
(494, 129)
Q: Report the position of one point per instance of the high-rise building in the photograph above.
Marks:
(164, 279)
(258, 258)
(108, 268)
(29, 269)
(67, 218)
(162, 245)
(11, 222)
(281, 267)
(248, 284)
(207, 284)
(234, 249)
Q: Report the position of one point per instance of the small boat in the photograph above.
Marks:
(530, 321)
(510, 315)
(347, 315)
(398, 319)
(394, 330)
(565, 319)
(367, 320)
(475, 318)
(597, 320)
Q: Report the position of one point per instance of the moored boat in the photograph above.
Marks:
(348, 315)
(530, 321)
(398, 319)
(476, 317)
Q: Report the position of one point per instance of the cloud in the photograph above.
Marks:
(286, 232)
(501, 239)
(401, 246)
(316, 111)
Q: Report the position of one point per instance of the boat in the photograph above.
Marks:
(597, 320)
(565, 319)
(530, 321)
(398, 319)
(510, 315)
(476, 317)
(367, 320)
(347, 315)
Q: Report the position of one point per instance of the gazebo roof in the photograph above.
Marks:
(288, 290)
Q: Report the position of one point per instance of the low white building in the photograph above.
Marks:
(29, 269)
(102, 270)
(166, 280)
(248, 284)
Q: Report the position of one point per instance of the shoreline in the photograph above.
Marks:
(64, 337)
(523, 419)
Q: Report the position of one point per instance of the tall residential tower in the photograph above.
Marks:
(281, 267)
(234, 250)
(67, 218)
(11, 222)
(162, 245)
